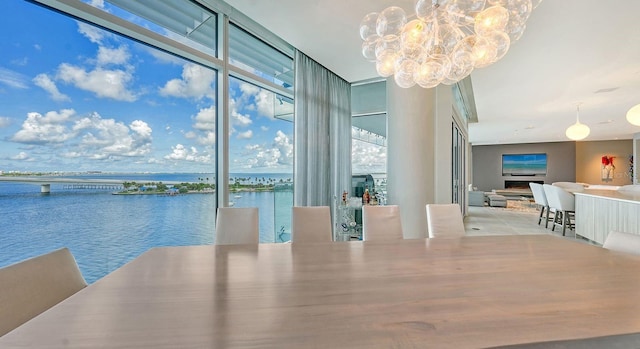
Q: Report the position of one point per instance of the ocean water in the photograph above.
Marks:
(105, 231)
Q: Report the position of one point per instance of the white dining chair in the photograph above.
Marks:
(311, 224)
(563, 202)
(381, 223)
(237, 225)
(541, 200)
(445, 220)
(32, 286)
(623, 242)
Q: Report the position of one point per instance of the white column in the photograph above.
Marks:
(45, 188)
(411, 154)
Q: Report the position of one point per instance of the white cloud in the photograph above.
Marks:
(285, 146)
(205, 120)
(241, 120)
(21, 156)
(94, 34)
(264, 128)
(13, 79)
(263, 100)
(43, 81)
(265, 103)
(237, 118)
(209, 138)
(279, 155)
(50, 128)
(104, 83)
(97, 3)
(249, 89)
(367, 157)
(181, 153)
(71, 154)
(245, 135)
(4, 121)
(116, 56)
(103, 138)
(90, 137)
(37, 47)
(154, 161)
(141, 128)
(197, 82)
(204, 126)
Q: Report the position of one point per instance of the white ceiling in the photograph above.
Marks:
(573, 51)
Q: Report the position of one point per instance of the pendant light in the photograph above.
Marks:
(578, 130)
(633, 115)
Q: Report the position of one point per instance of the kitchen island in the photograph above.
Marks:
(600, 211)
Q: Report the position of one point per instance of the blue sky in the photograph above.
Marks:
(77, 98)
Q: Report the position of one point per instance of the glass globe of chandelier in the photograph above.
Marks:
(445, 41)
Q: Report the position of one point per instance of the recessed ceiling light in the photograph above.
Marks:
(530, 127)
(605, 90)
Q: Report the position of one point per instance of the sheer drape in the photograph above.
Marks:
(322, 135)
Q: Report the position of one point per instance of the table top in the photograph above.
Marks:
(471, 292)
(618, 195)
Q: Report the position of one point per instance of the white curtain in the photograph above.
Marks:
(322, 137)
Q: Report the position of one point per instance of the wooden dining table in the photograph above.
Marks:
(470, 292)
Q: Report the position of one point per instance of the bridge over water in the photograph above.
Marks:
(77, 183)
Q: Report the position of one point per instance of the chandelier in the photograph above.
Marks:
(446, 40)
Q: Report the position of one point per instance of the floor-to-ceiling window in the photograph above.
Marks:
(261, 132)
(135, 101)
(261, 157)
(369, 137)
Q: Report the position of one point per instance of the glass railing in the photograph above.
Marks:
(282, 203)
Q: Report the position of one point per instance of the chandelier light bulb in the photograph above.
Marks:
(577, 131)
(633, 115)
(494, 18)
(446, 40)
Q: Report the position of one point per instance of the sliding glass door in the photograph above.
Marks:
(458, 166)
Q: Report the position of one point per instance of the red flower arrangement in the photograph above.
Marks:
(607, 160)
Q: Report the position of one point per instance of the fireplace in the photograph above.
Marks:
(519, 184)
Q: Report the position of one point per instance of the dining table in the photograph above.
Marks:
(468, 292)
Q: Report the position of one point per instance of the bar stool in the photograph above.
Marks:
(541, 199)
(564, 204)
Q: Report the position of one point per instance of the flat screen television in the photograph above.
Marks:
(524, 164)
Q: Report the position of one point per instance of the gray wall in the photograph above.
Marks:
(487, 163)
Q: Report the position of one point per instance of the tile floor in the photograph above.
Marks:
(508, 221)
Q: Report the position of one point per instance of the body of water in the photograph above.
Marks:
(105, 231)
